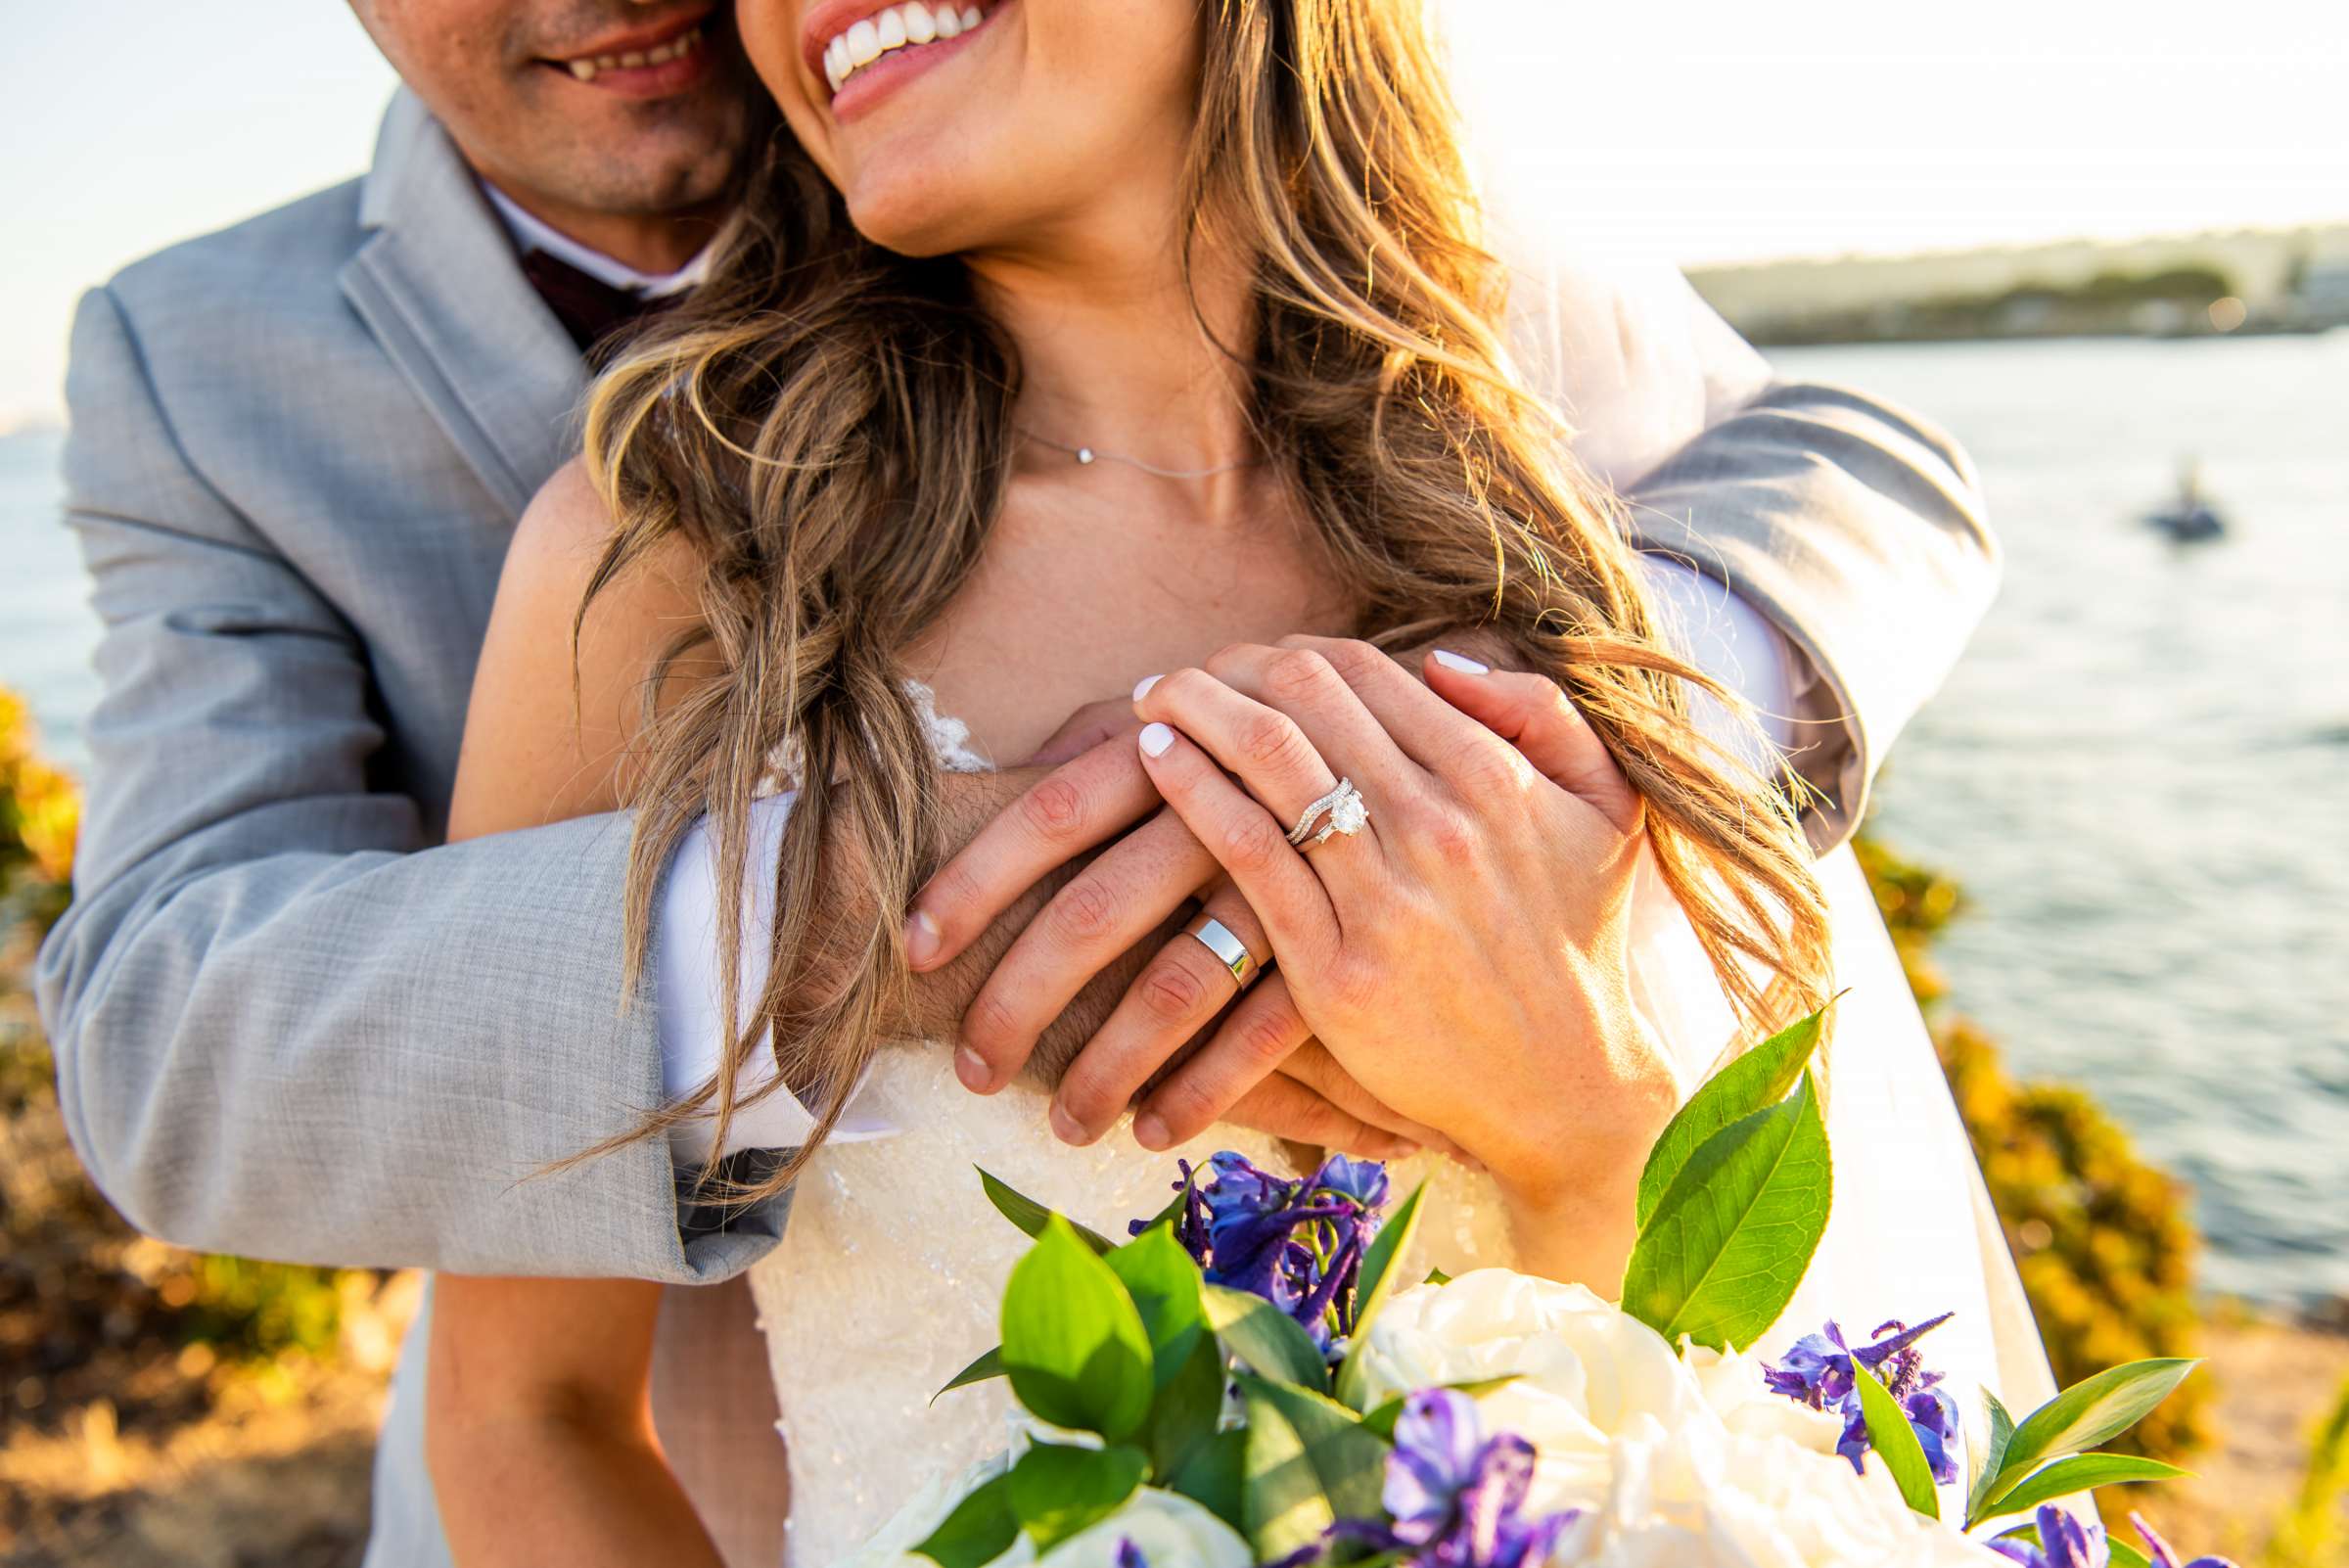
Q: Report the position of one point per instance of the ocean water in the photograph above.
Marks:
(2140, 771)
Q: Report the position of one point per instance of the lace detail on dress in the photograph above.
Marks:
(949, 741)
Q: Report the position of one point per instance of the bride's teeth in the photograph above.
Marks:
(864, 43)
(970, 18)
(949, 21)
(892, 29)
(900, 27)
(919, 28)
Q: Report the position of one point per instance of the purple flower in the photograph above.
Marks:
(2163, 1557)
(1456, 1497)
(1818, 1372)
(1298, 1244)
(2063, 1542)
(1130, 1555)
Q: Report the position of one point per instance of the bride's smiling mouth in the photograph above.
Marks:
(862, 52)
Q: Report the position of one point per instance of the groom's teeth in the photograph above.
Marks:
(588, 67)
(897, 27)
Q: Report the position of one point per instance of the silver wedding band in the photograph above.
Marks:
(1229, 951)
(1348, 813)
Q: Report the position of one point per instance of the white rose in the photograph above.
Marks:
(892, 1545)
(1699, 1495)
(1585, 1372)
(1733, 1385)
(1168, 1529)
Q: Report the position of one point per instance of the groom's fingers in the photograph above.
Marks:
(1285, 1108)
(1106, 910)
(1175, 997)
(1068, 810)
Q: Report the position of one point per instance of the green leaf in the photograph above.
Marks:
(1213, 1477)
(1374, 1286)
(2080, 1473)
(1437, 1276)
(989, 1364)
(2082, 1416)
(1263, 1336)
(1057, 1490)
(1730, 1241)
(1309, 1462)
(2124, 1555)
(981, 1529)
(1755, 1082)
(1895, 1442)
(1183, 1416)
(1029, 1215)
(2000, 1431)
(1382, 1418)
(1073, 1340)
(1163, 1284)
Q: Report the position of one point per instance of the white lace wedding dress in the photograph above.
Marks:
(889, 1276)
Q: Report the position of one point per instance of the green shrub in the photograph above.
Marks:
(76, 1287)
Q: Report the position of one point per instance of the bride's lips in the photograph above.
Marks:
(658, 61)
(834, 31)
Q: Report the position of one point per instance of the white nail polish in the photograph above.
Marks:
(1462, 662)
(1156, 738)
(1143, 690)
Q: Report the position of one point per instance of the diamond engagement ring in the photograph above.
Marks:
(1348, 813)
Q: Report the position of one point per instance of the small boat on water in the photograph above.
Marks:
(2191, 519)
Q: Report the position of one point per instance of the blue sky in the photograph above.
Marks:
(1699, 132)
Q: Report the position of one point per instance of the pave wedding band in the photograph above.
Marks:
(1349, 814)
(1229, 951)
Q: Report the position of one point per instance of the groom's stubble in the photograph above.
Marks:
(645, 178)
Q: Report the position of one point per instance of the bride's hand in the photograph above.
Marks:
(1464, 954)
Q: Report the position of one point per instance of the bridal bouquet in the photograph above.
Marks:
(1248, 1382)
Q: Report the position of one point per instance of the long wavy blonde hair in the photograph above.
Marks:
(828, 425)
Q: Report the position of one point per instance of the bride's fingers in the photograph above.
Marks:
(1252, 848)
(1262, 745)
(1534, 715)
(1063, 815)
(1301, 683)
(1170, 1003)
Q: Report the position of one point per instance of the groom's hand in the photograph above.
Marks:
(1263, 1069)
(1308, 1099)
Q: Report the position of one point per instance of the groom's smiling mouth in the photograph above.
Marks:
(652, 62)
(857, 48)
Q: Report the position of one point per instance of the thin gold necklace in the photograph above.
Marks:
(1086, 456)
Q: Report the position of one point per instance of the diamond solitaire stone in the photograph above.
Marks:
(1348, 815)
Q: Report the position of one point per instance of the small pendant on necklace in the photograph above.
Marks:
(1085, 454)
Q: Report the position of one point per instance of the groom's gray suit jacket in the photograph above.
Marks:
(289, 1023)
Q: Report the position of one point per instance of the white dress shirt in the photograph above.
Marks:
(531, 232)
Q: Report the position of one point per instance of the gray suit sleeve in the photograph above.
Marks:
(285, 1026)
(1858, 530)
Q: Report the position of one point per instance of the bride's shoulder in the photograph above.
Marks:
(531, 753)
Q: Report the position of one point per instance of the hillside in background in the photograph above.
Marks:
(2292, 280)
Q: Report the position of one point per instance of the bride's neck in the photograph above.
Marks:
(1120, 355)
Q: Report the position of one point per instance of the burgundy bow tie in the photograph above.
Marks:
(596, 315)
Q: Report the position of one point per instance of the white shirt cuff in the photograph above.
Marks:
(1732, 641)
(686, 996)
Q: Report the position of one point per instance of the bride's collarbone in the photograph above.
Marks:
(1055, 617)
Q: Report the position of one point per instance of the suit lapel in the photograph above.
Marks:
(437, 283)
